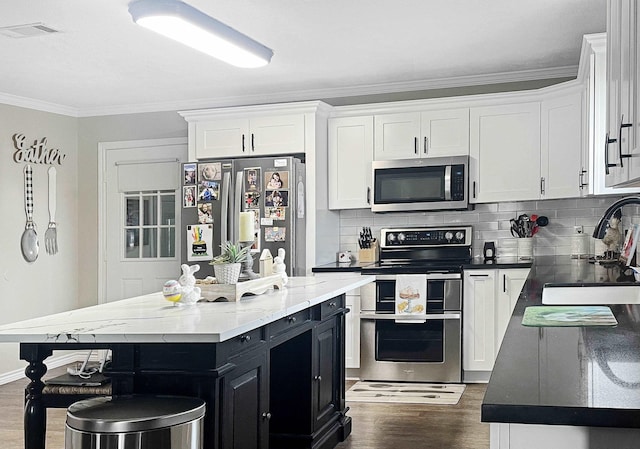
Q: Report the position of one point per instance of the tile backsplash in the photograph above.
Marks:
(490, 222)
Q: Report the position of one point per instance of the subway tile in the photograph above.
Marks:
(557, 204)
(565, 213)
(486, 207)
(495, 216)
(348, 213)
(521, 207)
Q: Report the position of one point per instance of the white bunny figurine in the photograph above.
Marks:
(279, 266)
(190, 293)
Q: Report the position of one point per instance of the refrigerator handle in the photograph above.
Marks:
(235, 231)
(226, 200)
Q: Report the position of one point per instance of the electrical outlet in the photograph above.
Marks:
(578, 229)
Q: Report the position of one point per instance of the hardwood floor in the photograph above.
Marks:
(417, 426)
(375, 426)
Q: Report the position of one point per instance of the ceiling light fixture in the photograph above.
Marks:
(189, 26)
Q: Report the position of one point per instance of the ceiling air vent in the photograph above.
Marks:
(26, 30)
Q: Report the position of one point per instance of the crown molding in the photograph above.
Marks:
(297, 95)
(38, 105)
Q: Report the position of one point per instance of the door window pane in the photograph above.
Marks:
(132, 243)
(150, 210)
(168, 209)
(133, 211)
(167, 242)
(150, 243)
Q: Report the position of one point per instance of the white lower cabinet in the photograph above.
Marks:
(352, 330)
(478, 320)
(489, 298)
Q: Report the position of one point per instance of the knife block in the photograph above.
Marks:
(368, 254)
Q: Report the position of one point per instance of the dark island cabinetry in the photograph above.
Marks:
(280, 385)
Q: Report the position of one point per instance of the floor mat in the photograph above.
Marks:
(407, 393)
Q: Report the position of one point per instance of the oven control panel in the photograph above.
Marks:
(426, 237)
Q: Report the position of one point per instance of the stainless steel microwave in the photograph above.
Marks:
(439, 183)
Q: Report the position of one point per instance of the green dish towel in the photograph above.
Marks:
(568, 316)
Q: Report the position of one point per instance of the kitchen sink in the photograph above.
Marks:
(590, 294)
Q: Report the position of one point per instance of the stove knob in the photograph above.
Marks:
(391, 237)
(448, 235)
(460, 236)
(401, 237)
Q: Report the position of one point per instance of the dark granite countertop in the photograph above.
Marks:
(581, 376)
(476, 263)
(336, 267)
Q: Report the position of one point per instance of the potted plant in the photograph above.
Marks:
(226, 266)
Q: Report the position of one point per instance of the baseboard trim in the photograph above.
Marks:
(52, 362)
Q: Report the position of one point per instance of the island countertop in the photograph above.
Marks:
(578, 376)
(152, 319)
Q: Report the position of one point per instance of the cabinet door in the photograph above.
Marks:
(352, 331)
(478, 328)
(282, 134)
(505, 153)
(634, 161)
(510, 285)
(222, 138)
(244, 410)
(325, 375)
(445, 133)
(561, 146)
(350, 156)
(396, 136)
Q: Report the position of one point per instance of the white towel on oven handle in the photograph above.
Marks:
(411, 297)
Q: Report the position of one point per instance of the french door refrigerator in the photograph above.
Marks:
(215, 191)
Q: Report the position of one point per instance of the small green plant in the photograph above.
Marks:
(231, 253)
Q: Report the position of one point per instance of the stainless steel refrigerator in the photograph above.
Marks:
(215, 191)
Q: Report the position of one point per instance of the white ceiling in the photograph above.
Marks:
(101, 62)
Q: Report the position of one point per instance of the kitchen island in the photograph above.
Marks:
(270, 368)
(559, 387)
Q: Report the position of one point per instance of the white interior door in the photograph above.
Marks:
(141, 235)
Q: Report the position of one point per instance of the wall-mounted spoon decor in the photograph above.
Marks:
(51, 235)
(29, 240)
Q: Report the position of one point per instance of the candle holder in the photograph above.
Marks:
(247, 266)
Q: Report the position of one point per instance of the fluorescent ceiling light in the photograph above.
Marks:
(187, 25)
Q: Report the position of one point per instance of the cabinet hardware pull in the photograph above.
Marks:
(479, 275)
(253, 146)
(622, 125)
(292, 319)
(426, 144)
(368, 195)
(266, 415)
(504, 283)
(607, 165)
(581, 183)
(318, 378)
(542, 186)
(415, 145)
(243, 142)
(245, 338)
(474, 189)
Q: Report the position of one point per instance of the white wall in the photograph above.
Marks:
(50, 284)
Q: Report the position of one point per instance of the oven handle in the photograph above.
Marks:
(432, 316)
(430, 276)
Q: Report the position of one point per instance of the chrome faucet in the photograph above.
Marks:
(601, 227)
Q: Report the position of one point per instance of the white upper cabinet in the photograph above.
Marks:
(445, 133)
(255, 136)
(350, 156)
(422, 134)
(397, 136)
(561, 146)
(623, 141)
(504, 153)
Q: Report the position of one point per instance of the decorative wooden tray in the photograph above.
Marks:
(235, 292)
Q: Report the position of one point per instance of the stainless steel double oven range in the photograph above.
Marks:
(427, 349)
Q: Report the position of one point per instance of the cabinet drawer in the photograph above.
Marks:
(331, 307)
(244, 341)
(289, 322)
